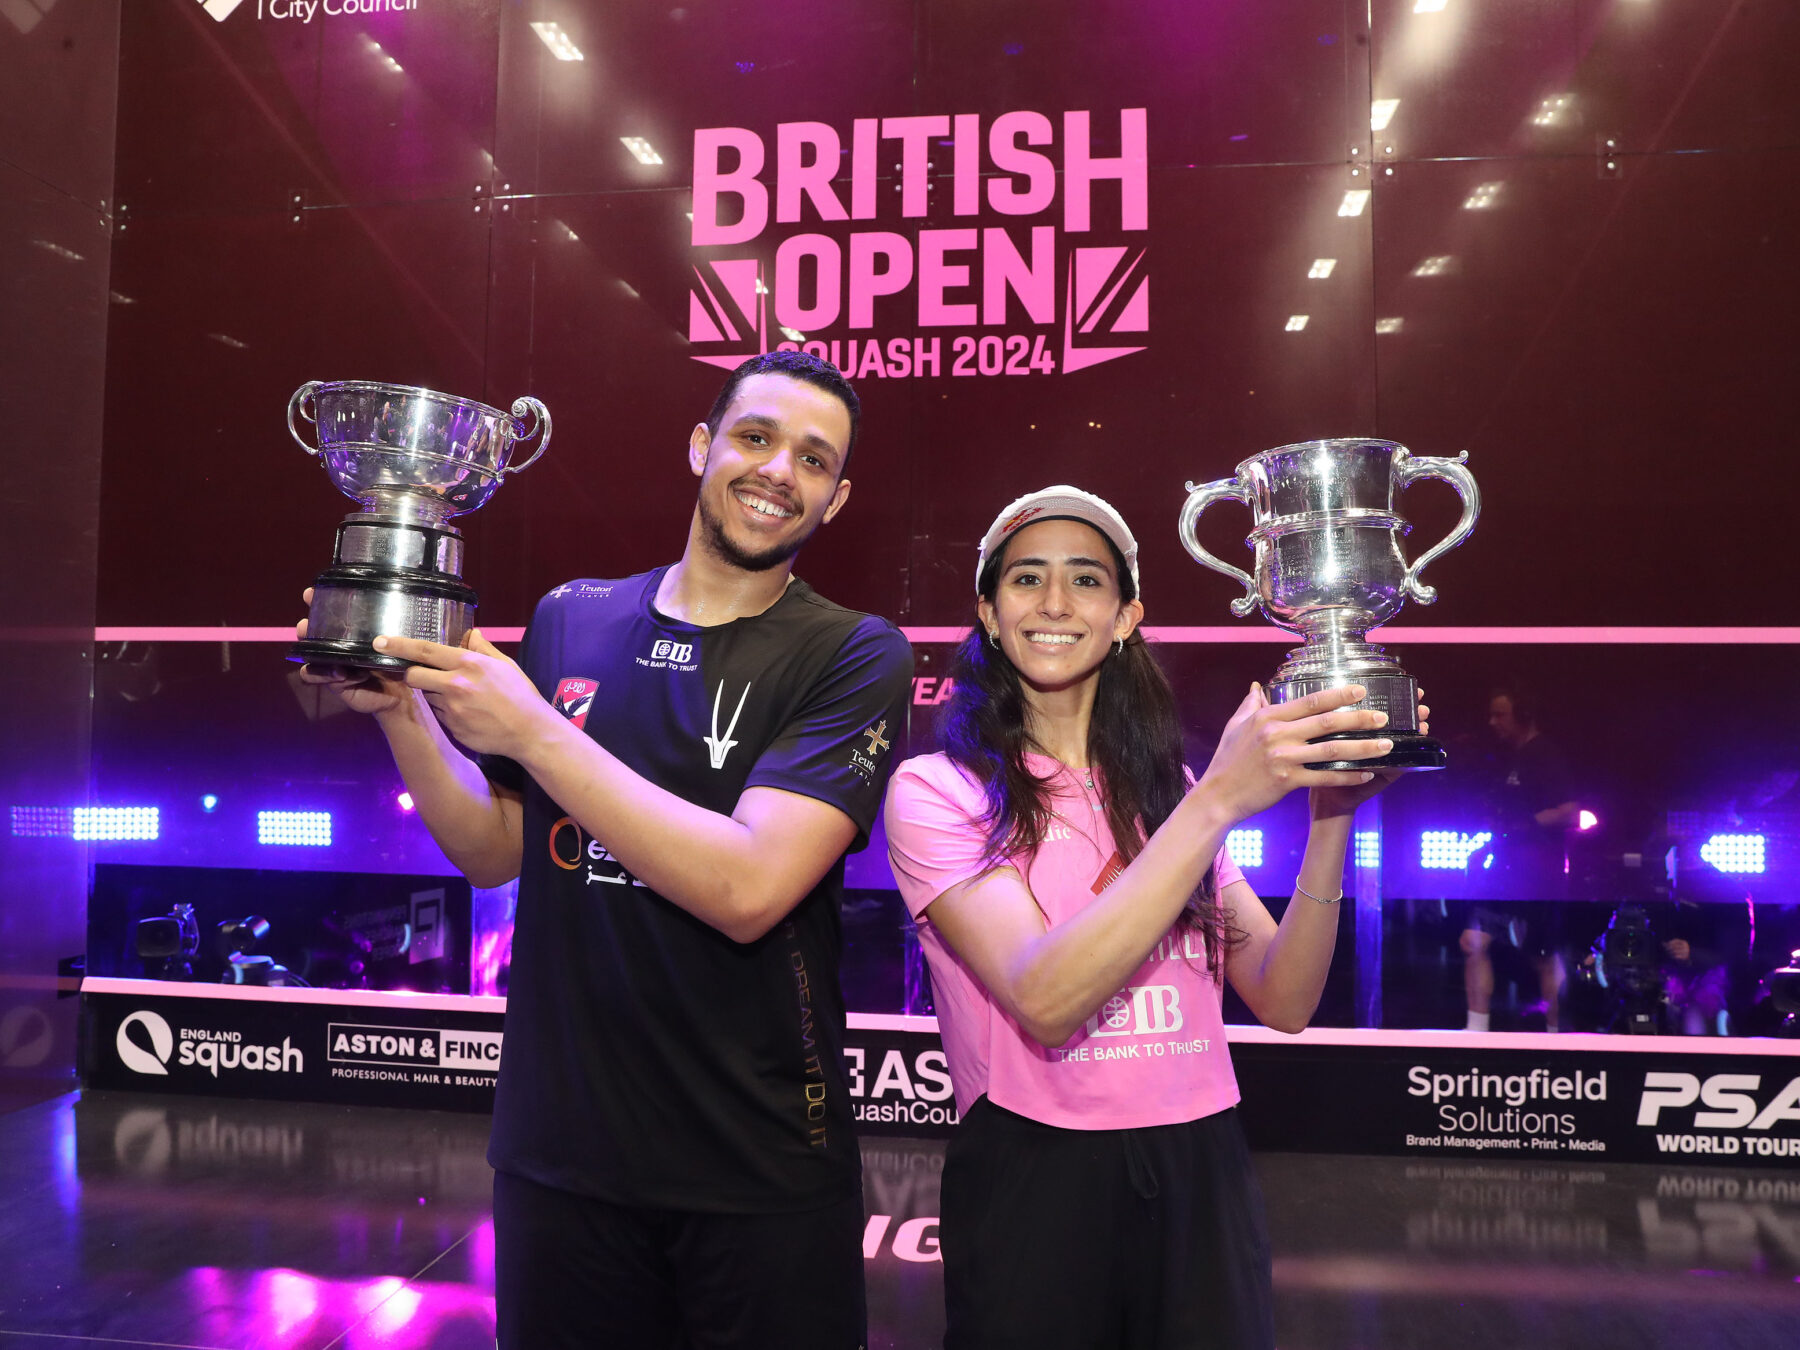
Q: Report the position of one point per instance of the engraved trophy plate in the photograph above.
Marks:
(414, 459)
(1328, 566)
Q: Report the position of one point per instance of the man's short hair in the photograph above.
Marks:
(796, 366)
(1522, 699)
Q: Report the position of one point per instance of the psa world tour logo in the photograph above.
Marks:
(305, 11)
(1037, 269)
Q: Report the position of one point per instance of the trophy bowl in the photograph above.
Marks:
(379, 440)
(414, 459)
(1329, 566)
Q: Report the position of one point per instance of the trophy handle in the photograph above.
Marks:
(297, 404)
(1199, 498)
(1408, 468)
(540, 422)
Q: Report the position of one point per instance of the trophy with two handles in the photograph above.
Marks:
(1328, 567)
(414, 459)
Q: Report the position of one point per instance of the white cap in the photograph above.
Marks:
(1061, 502)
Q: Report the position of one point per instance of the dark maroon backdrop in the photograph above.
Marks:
(1609, 345)
(58, 78)
(430, 197)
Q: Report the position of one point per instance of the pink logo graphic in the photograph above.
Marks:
(730, 309)
(1026, 212)
(1103, 292)
(220, 9)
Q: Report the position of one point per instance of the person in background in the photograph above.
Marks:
(1533, 806)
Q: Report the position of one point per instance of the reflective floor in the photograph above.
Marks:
(135, 1219)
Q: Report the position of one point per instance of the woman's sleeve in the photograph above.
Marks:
(934, 833)
(1225, 871)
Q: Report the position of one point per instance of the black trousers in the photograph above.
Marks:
(574, 1272)
(1149, 1239)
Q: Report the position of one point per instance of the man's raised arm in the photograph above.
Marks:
(740, 873)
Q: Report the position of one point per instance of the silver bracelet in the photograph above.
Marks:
(1317, 899)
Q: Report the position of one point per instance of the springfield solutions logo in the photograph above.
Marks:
(1038, 269)
(305, 11)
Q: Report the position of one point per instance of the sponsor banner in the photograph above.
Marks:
(899, 1081)
(1438, 1100)
(1423, 1095)
(290, 1050)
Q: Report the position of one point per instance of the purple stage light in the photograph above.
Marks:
(102, 824)
(404, 801)
(42, 822)
(1245, 847)
(310, 828)
(1449, 850)
(1586, 820)
(1744, 853)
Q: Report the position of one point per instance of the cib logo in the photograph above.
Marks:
(1139, 1010)
(678, 652)
(220, 9)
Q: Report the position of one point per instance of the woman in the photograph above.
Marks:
(1079, 910)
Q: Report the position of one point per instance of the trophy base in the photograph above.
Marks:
(353, 604)
(1412, 752)
(354, 655)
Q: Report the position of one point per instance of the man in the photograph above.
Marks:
(675, 768)
(1534, 806)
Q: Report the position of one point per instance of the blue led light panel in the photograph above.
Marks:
(108, 823)
(1449, 850)
(1245, 847)
(310, 828)
(43, 822)
(1736, 852)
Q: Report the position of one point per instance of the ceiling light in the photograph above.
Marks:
(1296, 322)
(1321, 268)
(1388, 325)
(1434, 266)
(1381, 112)
(1354, 202)
(1483, 197)
(51, 246)
(641, 149)
(559, 42)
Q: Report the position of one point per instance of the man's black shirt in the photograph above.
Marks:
(649, 1059)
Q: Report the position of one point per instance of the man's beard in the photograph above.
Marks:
(721, 546)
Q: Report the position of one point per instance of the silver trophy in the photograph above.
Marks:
(414, 459)
(1329, 567)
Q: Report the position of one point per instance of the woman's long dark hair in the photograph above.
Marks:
(1134, 741)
